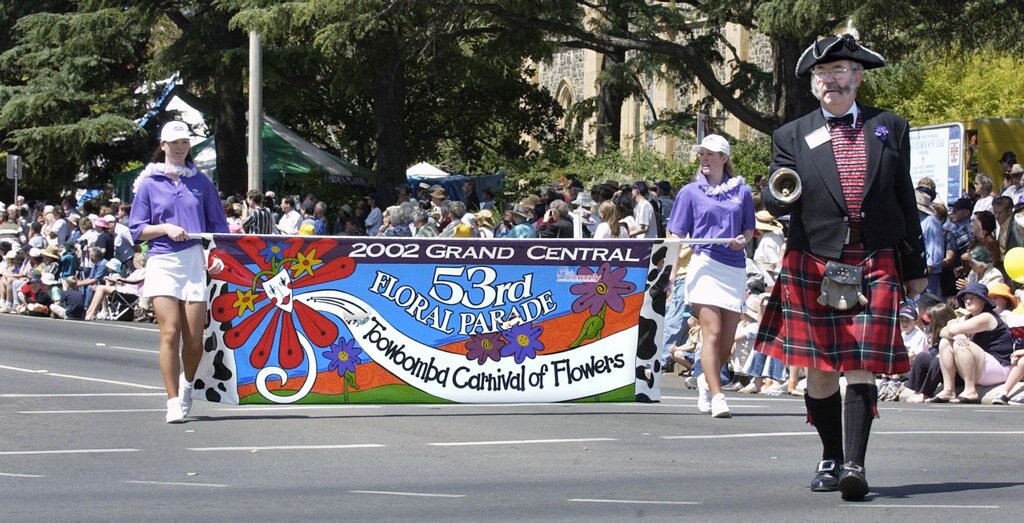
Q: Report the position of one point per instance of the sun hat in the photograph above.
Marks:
(34, 252)
(714, 143)
(1002, 290)
(1017, 169)
(48, 279)
(766, 222)
(583, 199)
(978, 289)
(52, 251)
(485, 219)
(100, 222)
(753, 307)
(439, 193)
(175, 130)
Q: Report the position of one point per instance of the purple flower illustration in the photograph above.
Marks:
(485, 345)
(343, 356)
(609, 289)
(523, 341)
(882, 132)
(273, 251)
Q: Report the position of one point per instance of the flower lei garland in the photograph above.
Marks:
(166, 169)
(722, 188)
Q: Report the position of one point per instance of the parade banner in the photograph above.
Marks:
(311, 320)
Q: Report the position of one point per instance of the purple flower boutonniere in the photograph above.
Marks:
(882, 132)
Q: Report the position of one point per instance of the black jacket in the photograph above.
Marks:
(818, 219)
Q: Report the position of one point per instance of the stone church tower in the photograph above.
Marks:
(571, 77)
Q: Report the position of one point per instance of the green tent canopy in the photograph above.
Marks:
(284, 153)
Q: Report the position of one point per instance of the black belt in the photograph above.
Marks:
(854, 236)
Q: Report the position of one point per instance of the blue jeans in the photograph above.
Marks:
(676, 312)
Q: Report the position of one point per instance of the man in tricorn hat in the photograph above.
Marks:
(858, 208)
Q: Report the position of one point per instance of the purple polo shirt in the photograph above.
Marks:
(699, 215)
(191, 204)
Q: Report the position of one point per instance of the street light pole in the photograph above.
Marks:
(255, 112)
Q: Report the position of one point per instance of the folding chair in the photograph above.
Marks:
(121, 306)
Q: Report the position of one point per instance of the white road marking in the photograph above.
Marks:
(69, 451)
(874, 505)
(89, 411)
(635, 501)
(83, 395)
(289, 447)
(518, 442)
(748, 435)
(417, 494)
(178, 484)
(147, 351)
(45, 372)
(12, 475)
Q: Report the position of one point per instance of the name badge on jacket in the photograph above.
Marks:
(818, 137)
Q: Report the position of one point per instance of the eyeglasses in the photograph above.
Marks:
(836, 72)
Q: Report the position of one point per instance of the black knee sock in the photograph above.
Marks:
(859, 410)
(827, 417)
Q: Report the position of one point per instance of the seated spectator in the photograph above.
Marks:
(982, 269)
(916, 342)
(15, 275)
(556, 222)
(1012, 379)
(522, 228)
(485, 223)
(977, 349)
(96, 275)
(131, 284)
(71, 305)
(983, 227)
(34, 298)
(925, 371)
(69, 260)
(756, 365)
(397, 221)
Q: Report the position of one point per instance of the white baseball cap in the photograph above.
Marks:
(714, 143)
(175, 130)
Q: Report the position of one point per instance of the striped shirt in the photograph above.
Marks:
(259, 221)
(851, 162)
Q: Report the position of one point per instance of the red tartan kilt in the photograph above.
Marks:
(799, 331)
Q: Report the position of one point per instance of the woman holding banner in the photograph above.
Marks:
(717, 205)
(173, 200)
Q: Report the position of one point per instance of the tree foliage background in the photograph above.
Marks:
(386, 83)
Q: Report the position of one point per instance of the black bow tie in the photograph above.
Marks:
(846, 119)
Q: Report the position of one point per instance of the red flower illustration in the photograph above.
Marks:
(270, 292)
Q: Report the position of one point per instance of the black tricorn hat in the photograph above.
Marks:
(842, 47)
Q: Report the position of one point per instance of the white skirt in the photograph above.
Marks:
(180, 275)
(710, 282)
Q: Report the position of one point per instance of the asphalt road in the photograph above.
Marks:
(82, 438)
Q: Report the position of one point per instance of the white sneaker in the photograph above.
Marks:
(718, 407)
(703, 395)
(185, 394)
(174, 413)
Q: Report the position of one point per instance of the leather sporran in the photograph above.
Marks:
(841, 285)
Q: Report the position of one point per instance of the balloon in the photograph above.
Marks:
(1013, 262)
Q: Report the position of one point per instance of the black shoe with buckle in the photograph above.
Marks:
(852, 483)
(826, 478)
